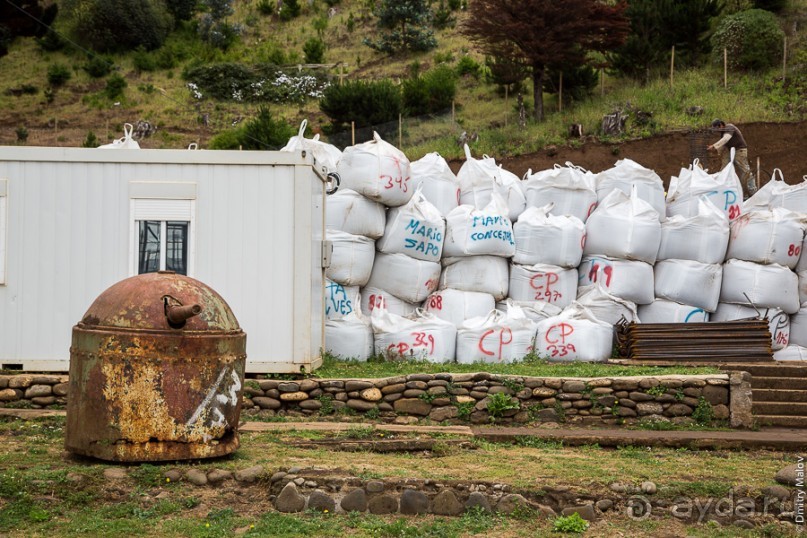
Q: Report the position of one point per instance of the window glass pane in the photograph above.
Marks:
(176, 247)
(148, 246)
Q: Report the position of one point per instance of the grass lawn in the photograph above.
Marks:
(46, 492)
(531, 366)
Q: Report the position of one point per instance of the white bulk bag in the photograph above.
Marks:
(421, 336)
(574, 335)
(415, 229)
(479, 178)
(779, 323)
(723, 189)
(326, 155)
(702, 238)
(798, 327)
(551, 239)
(792, 197)
(127, 142)
(627, 279)
(349, 337)
(664, 311)
(802, 275)
(535, 310)
(765, 286)
(541, 282)
(477, 232)
(439, 184)
(485, 274)
(768, 236)
(624, 226)
(606, 307)
(680, 185)
(372, 298)
(340, 300)
(349, 211)
(762, 198)
(457, 305)
(378, 170)
(689, 282)
(569, 188)
(802, 265)
(352, 258)
(626, 175)
(406, 278)
(498, 337)
(791, 353)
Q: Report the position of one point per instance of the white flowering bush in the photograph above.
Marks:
(261, 83)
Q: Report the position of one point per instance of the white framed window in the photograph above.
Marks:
(3, 228)
(162, 230)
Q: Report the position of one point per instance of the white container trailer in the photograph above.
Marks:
(75, 221)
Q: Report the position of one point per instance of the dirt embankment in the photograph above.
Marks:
(778, 145)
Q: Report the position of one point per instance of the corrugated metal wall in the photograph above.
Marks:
(70, 237)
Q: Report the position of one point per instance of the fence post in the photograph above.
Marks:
(505, 105)
(560, 93)
(672, 66)
(400, 130)
(352, 133)
(602, 82)
(453, 117)
(725, 68)
(784, 60)
(758, 179)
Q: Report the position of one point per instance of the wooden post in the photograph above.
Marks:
(759, 181)
(353, 133)
(602, 82)
(672, 66)
(560, 93)
(725, 68)
(400, 130)
(453, 112)
(505, 104)
(784, 60)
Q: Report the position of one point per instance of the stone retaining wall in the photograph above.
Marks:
(477, 398)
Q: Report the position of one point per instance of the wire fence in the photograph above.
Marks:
(405, 133)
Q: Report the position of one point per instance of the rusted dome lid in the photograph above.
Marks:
(147, 301)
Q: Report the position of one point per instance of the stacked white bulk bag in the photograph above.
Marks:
(624, 226)
(791, 353)
(457, 305)
(798, 327)
(722, 188)
(352, 258)
(535, 310)
(484, 274)
(407, 278)
(372, 298)
(549, 239)
(340, 300)
(606, 307)
(627, 279)
(421, 336)
(762, 286)
(479, 178)
(377, 170)
(779, 323)
(438, 183)
(689, 282)
(479, 232)
(415, 229)
(664, 311)
(542, 282)
(348, 211)
(703, 237)
(498, 337)
(326, 156)
(127, 142)
(570, 189)
(349, 337)
(768, 236)
(792, 197)
(574, 335)
(627, 175)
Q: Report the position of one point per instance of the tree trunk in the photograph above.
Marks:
(538, 92)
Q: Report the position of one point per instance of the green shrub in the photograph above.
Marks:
(98, 66)
(22, 134)
(468, 66)
(90, 141)
(51, 41)
(120, 25)
(432, 92)
(265, 132)
(58, 75)
(182, 10)
(573, 523)
(314, 50)
(256, 83)
(752, 39)
(364, 102)
(289, 10)
(115, 85)
(144, 60)
(230, 139)
(443, 18)
(579, 82)
(266, 7)
(500, 403)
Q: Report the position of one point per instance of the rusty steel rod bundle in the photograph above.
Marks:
(740, 340)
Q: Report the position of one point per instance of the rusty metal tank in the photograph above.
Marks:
(156, 373)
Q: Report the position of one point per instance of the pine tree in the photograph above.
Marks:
(404, 25)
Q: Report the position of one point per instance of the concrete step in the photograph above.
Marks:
(781, 421)
(776, 369)
(796, 409)
(779, 395)
(785, 383)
